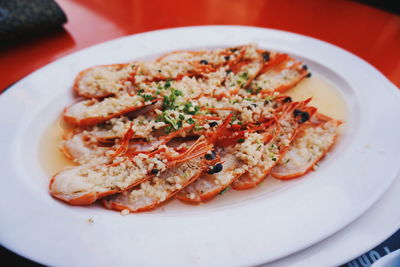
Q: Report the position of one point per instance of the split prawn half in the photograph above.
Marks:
(158, 189)
(309, 146)
(83, 145)
(236, 160)
(279, 73)
(216, 57)
(101, 81)
(94, 111)
(117, 171)
(211, 184)
(155, 191)
(290, 122)
(106, 80)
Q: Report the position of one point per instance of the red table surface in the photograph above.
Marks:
(368, 32)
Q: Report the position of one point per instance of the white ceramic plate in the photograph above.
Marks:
(240, 228)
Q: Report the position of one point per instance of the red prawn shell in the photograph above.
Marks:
(77, 89)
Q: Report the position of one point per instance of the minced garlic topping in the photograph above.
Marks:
(190, 124)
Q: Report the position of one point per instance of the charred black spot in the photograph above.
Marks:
(154, 171)
(308, 75)
(305, 116)
(297, 112)
(211, 155)
(215, 169)
(305, 67)
(203, 61)
(213, 123)
(266, 56)
(227, 58)
(287, 99)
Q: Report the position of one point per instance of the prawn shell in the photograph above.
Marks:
(275, 172)
(120, 207)
(87, 198)
(77, 88)
(275, 66)
(90, 121)
(195, 165)
(203, 198)
(229, 167)
(279, 171)
(246, 181)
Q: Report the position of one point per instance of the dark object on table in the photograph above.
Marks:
(22, 19)
(13, 259)
(388, 5)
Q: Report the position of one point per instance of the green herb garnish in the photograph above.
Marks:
(243, 79)
(177, 92)
(190, 121)
(223, 191)
(190, 109)
(148, 97)
(169, 129)
(167, 84)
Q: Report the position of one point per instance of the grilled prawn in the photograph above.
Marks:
(283, 132)
(308, 147)
(118, 171)
(93, 111)
(278, 74)
(239, 151)
(158, 189)
(102, 81)
(105, 80)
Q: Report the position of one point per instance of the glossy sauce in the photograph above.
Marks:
(324, 96)
(51, 157)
